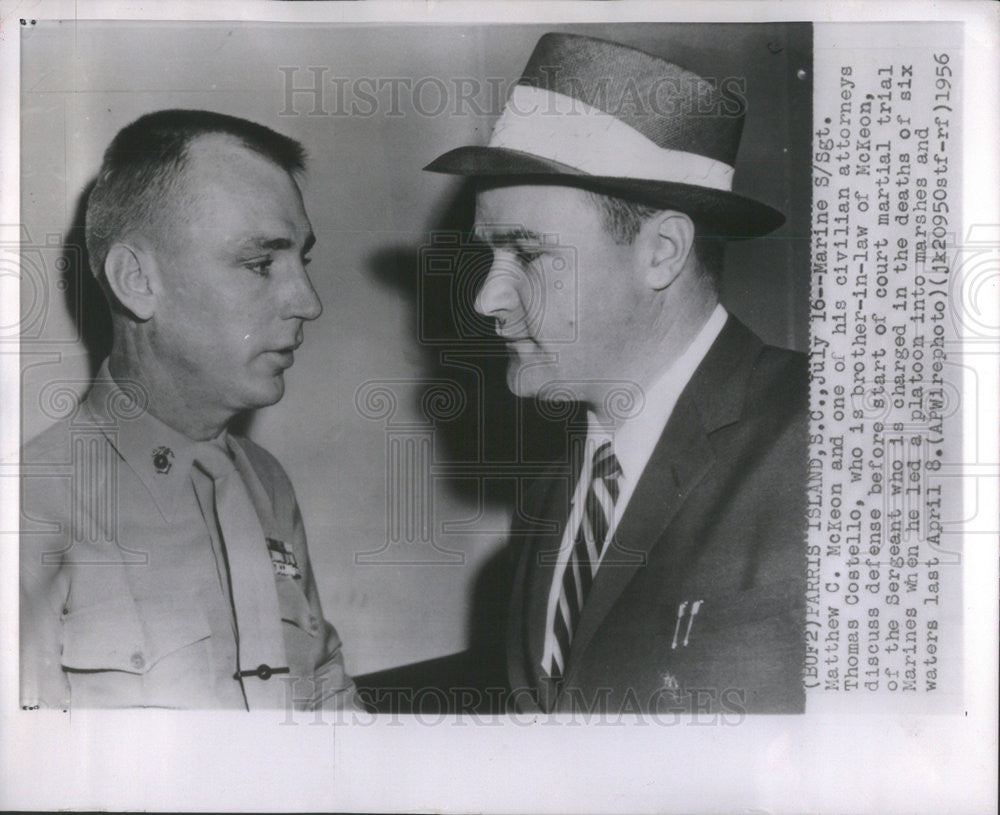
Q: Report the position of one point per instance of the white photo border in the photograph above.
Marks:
(201, 761)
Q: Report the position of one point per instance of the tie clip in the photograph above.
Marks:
(261, 672)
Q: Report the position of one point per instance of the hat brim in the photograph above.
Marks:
(734, 215)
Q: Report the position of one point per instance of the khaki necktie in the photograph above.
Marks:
(260, 640)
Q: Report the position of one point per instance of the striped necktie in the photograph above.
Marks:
(261, 645)
(584, 558)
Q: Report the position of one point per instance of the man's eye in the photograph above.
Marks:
(261, 268)
(527, 256)
(306, 261)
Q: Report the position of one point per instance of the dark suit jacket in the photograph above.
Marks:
(718, 516)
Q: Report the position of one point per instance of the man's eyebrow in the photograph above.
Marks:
(276, 244)
(505, 236)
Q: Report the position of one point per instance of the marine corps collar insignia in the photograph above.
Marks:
(163, 459)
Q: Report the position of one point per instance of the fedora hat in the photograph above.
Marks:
(616, 120)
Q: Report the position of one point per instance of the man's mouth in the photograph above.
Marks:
(511, 337)
(285, 355)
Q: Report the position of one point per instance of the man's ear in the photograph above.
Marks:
(668, 241)
(130, 273)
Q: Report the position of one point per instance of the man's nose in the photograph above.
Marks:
(301, 300)
(498, 295)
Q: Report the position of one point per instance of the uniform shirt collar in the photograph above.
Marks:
(158, 454)
(635, 440)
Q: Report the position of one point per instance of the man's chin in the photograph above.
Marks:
(267, 392)
(517, 388)
(526, 381)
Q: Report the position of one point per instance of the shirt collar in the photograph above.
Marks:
(158, 454)
(635, 439)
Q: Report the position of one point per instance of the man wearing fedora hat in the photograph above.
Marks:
(666, 571)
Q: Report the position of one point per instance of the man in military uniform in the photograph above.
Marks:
(666, 569)
(163, 558)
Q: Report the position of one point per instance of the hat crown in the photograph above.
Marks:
(671, 106)
(618, 121)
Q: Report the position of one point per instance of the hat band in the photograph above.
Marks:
(551, 125)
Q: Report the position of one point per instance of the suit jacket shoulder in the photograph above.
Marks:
(779, 385)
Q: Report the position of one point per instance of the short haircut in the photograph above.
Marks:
(144, 163)
(623, 218)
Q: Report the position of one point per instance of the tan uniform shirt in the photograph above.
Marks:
(125, 597)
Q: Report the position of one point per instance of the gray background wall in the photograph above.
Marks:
(373, 210)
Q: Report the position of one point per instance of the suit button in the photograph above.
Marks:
(137, 660)
(313, 623)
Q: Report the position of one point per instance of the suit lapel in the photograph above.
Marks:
(539, 524)
(539, 563)
(515, 636)
(680, 461)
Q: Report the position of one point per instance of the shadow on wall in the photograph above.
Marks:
(84, 298)
(486, 430)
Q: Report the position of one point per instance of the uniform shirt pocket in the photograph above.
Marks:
(111, 637)
(104, 637)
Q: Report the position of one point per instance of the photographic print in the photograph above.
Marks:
(601, 380)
